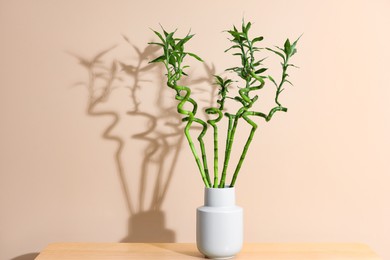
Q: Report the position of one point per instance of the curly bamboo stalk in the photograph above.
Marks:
(190, 119)
(203, 149)
(245, 150)
(213, 123)
(233, 121)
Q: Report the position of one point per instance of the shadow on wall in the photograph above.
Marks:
(162, 135)
(30, 256)
(146, 220)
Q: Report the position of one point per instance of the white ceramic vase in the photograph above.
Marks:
(219, 224)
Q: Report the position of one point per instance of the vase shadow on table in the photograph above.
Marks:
(182, 249)
(29, 256)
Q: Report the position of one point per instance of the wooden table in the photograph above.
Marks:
(178, 251)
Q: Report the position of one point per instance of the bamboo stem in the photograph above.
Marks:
(213, 122)
(193, 150)
(203, 149)
(190, 119)
(229, 142)
(215, 156)
(245, 150)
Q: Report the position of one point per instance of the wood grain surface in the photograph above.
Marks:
(177, 251)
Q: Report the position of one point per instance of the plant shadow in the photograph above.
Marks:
(161, 133)
(160, 136)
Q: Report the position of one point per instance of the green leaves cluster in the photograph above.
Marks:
(174, 53)
(285, 53)
(246, 49)
(223, 90)
(252, 73)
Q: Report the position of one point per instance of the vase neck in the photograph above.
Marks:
(216, 197)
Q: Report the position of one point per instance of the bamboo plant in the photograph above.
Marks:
(251, 72)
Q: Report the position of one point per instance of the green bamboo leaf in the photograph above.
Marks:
(232, 47)
(279, 48)
(247, 27)
(159, 35)
(287, 47)
(292, 65)
(227, 82)
(293, 51)
(257, 39)
(257, 63)
(159, 59)
(233, 33)
(289, 82)
(261, 71)
(178, 56)
(172, 60)
(185, 39)
(165, 32)
(276, 52)
(171, 41)
(234, 69)
(255, 49)
(169, 36)
(273, 81)
(157, 43)
(236, 35)
(219, 79)
(296, 41)
(194, 56)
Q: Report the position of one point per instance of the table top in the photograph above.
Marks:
(178, 251)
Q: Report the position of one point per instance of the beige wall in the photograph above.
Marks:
(318, 173)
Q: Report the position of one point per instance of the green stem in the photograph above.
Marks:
(245, 150)
(284, 76)
(215, 156)
(213, 122)
(203, 149)
(270, 114)
(229, 143)
(193, 150)
(190, 119)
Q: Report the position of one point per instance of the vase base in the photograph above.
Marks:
(220, 258)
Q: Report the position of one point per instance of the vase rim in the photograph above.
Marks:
(226, 187)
